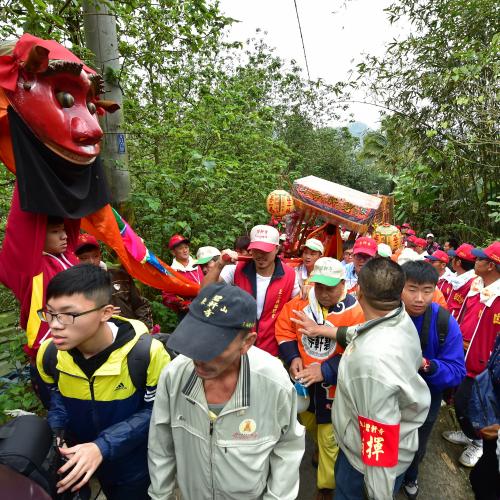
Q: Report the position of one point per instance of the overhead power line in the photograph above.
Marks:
(302, 39)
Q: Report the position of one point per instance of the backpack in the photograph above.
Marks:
(139, 356)
(442, 323)
(137, 359)
(25, 443)
(484, 402)
(28, 446)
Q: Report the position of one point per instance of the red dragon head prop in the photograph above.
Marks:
(56, 94)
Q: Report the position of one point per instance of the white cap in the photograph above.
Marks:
(384, 250)
(430, 235)
(283, 237)
(205, 254)
(409, 255)
(265, 238)
(327, 271)
(315, 245)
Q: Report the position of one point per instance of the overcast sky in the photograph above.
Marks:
(336, 35)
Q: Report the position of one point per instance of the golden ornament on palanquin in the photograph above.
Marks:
(388, 234)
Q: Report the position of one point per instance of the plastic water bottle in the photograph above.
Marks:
(302, 397)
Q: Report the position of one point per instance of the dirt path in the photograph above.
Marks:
(441, 477)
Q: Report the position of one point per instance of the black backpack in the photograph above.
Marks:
(443, 319)
(28, 446)
(137, 359)
(139, 356)
(25, 443)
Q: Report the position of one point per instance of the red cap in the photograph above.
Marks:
(177, 239)
(464, 252)
(420, 242)
(411, 232)
(492, 252)
(365, 245)
(407, 225)
(439, 255)
(84, 240)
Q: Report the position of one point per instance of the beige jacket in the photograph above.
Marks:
(252, 450)
(378, 380)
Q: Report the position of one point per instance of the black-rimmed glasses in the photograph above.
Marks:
(64, 318)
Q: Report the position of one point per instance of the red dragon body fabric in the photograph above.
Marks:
(50, 138)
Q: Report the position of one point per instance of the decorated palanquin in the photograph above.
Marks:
(388, 234)
(385, 213)
(50, 139)
(321, 208)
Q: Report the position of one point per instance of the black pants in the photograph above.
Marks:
(462, 397)
(484, 477)
(132, 491)
(424, 433)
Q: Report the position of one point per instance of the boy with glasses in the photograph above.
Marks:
(97, 404)
(347, 249)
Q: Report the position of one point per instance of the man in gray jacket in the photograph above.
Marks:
(224, 423)
(381, 400)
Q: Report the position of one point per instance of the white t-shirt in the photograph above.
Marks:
(227, 274)
(113, 328)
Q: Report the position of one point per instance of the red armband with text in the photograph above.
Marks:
(379, 443)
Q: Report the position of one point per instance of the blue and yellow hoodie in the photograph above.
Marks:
(94, 400)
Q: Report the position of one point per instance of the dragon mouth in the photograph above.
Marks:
(79, 159)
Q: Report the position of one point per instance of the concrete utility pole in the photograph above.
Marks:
(100, 33)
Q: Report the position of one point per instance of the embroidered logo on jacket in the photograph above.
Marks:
(246, 430)
(120, 386)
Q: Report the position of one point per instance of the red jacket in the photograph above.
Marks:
(26, 270)
(445, 287)
(176, 302)
(278, 294)
(456, 297)
(480, 325)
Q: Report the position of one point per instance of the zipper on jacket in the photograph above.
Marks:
(92, 395)
(211, 458)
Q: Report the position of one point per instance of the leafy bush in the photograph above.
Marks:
(15, 390)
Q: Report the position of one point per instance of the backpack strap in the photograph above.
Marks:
(443, 320)
(50, 362)
(138, 361)
(426, 325)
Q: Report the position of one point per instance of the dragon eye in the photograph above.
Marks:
(66, 100)
(91, 107)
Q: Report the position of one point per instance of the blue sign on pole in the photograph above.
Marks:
(121, 143)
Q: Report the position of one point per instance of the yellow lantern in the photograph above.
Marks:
(390, 235)
(279, 203)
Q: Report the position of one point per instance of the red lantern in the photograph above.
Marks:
(279, 203)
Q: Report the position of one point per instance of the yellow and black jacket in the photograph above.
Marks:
(94, 400)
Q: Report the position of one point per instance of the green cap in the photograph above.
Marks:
(315, 245)
(327, 271)
(205, 254)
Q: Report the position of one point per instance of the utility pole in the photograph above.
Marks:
(100, 34)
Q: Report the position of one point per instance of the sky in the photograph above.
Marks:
(336, 35)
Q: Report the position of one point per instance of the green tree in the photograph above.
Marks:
(441, 83)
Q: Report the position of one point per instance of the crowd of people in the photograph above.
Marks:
(361, 353)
